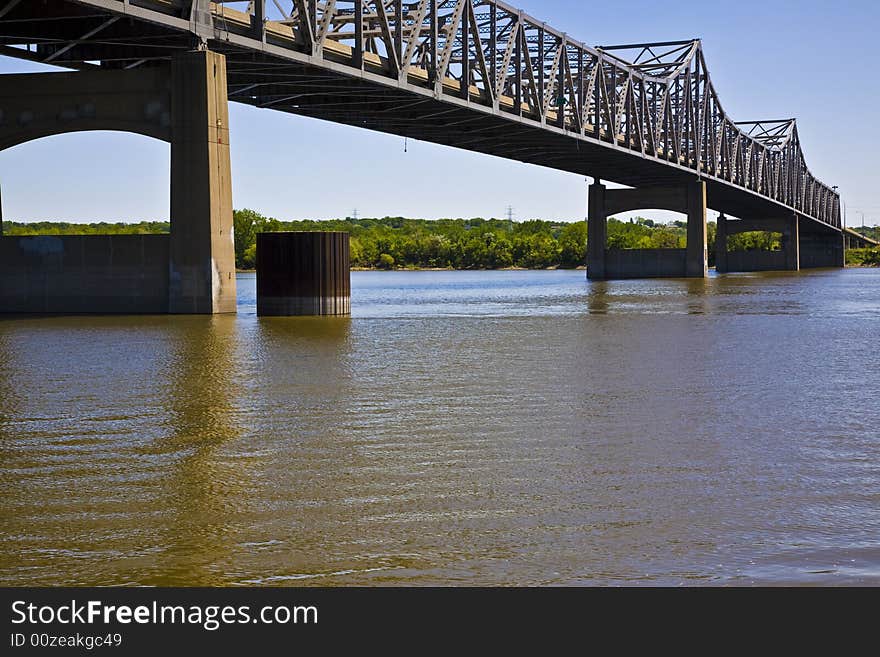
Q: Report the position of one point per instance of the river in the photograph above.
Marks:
(463, 428)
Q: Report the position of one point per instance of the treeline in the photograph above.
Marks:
(68, 228)
(863, 257)
(398, 242)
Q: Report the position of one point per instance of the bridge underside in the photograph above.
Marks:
(269, 76)
(192, 271)
(135, 40)
(855, 240)
(802, 247)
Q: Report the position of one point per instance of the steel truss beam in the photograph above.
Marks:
(654, 101)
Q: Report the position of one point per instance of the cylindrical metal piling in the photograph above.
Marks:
(303, 274)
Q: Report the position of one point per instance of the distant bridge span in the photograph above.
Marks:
(474, 74)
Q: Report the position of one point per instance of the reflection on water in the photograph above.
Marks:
(201, 483)
(462, 428)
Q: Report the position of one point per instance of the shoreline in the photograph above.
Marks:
(419, 269)
(404, 269)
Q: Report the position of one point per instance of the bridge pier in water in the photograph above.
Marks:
(604, 263)
(202, 266)
(786, 259)
(303, 274)
(822, 248)
(190, 271)
(442, 88)
(804, 246)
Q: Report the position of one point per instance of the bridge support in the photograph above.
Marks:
(721, 264)
(202, 267)
(303, 274)
(786, 259)
(604, 263)
(823, 248)
(851, 239)
(597, 233)
(190, 271)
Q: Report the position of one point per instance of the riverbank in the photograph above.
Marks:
(404, 269)
(863, 258)
(582, 268)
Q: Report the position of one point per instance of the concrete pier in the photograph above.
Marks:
(786, 259)
(202, 279)
(822, 249)
(597, 233)
(604, 263)
(79, 274)
(303, 274)
(193, 270)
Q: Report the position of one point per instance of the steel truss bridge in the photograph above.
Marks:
(473, 74)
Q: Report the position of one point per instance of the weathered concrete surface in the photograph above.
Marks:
(803, 246)
(691, 262)
(303, 274)
(84, 274)
(186, 105)
(791, 243)
(35, 105)
(697, 233)
(822, 250)
(787, 259)
(597, 232)
(721, 264)
(646, 263)
(202, 247)
(756, 261)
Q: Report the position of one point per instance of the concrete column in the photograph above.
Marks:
(721, 245)
(202, 253)
(791, 244)
(697, 248)
(303, 274)
(597, 232)
(841, 253)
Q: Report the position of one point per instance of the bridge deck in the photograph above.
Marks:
(477, 75)
(849, 232)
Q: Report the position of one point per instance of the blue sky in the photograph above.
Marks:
(772, 59)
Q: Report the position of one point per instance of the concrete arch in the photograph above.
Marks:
(786, 259)
(190, 271)
(33, 106)
(671, 198)
(690, 262)
(96, 176)
(17, 138)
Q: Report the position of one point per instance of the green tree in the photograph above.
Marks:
(246, 224)
(390, 242)
(573, 245)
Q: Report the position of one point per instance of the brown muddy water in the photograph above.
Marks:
(482, 428)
